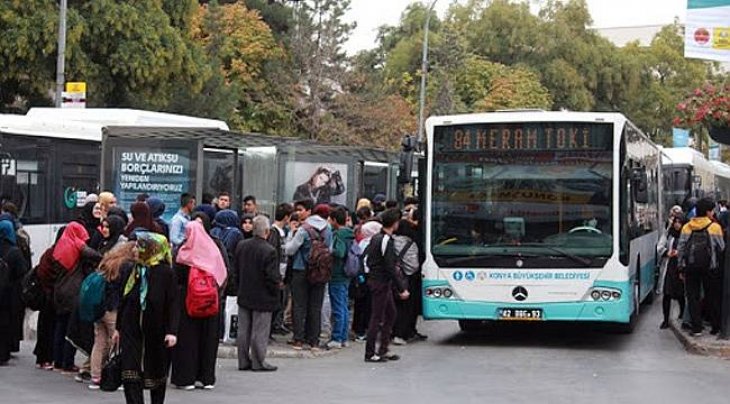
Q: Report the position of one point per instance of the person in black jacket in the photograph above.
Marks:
(13, 270)
(277, 239)
(382, 278)
(259, 284)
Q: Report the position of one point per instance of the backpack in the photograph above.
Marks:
(699, 249)
(32, 292)
(66, 290)
(91, 298)
(354, 261)
(202, 296)
(320, 260)
(406, 266)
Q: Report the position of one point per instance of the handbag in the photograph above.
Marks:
(111, 373)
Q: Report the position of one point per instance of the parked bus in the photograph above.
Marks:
(687, 175)
(540, 216)
(50, 158)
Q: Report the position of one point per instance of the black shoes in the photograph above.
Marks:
(389, 357)
(664, 325)
(265, 368)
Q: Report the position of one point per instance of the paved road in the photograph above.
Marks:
(508, 365)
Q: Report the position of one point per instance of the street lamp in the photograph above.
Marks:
(424, 71)
(61, 61)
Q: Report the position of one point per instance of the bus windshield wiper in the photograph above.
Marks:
(562, 253)
(464, 259)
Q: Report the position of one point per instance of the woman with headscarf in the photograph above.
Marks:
(11, 275)
(72, 254)
(147, 319)
(673, 285)
(141, 221)
(107, 200)
(361, 310)
(157, 209)
(90, 218)
(112, 231)
(225, 229)
(247, 226)
(194, 358)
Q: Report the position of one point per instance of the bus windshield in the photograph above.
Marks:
(522, 190)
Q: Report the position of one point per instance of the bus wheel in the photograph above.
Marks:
(470, 325)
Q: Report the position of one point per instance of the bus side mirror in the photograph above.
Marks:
(640, 185)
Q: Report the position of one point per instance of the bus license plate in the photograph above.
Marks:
(520, 314)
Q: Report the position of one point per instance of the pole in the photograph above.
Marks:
(424, 72)
(61, 62)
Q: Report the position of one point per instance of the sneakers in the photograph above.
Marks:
(696, 334)
(399, 341)
(334, 345)
(95, 383)
(186, 388)
(297, 346)
(361, 338)
(209, 387)
(391, 357)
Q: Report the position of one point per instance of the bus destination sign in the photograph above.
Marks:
(523, 137)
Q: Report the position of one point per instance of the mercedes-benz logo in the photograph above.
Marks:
(519, 293)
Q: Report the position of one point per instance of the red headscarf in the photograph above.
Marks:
(68, 248)
(199, 250)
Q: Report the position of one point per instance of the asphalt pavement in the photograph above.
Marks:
(507, 364)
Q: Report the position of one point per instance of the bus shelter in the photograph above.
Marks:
(166, 162)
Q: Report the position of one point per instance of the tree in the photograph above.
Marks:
(320, 61)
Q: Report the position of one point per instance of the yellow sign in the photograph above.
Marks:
(76, 87)
(721, 38)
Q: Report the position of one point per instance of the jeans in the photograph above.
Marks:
(340, 312)
(63, 351)
(307, 308)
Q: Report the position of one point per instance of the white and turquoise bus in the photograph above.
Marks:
(533, 215)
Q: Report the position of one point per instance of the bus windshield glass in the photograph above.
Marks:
(522, 190)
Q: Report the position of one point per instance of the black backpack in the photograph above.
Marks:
(699, 249)
(32, 293)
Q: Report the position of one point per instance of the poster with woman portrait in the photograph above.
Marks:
(320, 182)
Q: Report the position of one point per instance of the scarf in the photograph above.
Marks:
(200, 251)
(116, 230)
(69, 246)
(226, 229)
(87, 218)
(153, 250)
(7, 231)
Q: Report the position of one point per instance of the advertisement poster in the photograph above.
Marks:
(163, 173)
(707, 32)
(320, 182)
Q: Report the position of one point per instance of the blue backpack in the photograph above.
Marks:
(91, 298)
(354, 261)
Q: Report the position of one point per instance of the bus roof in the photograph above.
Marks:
(526, 116)
(682, 156)
(87, 123)
(721, 169)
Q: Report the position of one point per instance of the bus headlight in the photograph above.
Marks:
(603, 294)
(440, 293)
(448, 293)
(437, 293)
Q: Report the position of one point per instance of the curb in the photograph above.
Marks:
(227, 351)
(706, 345)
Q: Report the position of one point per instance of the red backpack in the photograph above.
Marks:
(202, 298)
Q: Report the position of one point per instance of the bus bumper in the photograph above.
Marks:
(618, 311)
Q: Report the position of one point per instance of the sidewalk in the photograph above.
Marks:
(706, 344)
(277, 349)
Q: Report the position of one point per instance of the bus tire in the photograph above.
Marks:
(470, 325)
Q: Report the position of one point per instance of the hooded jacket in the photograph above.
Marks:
(298, 247)
(341, 242)
(716, 238)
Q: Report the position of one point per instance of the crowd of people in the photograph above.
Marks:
(692, 251)
(151, 294)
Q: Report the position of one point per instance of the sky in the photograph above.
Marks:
(370, 14)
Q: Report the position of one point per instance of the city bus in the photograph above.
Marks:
(540, 216)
